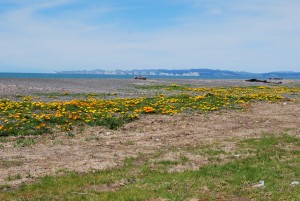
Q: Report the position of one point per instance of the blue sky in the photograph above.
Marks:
(240, 35)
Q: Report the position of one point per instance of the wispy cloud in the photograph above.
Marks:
(75, 34)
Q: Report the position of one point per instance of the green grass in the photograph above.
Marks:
(296, 85)
(151, 87)
(168, 162)
(207, 150)
(274, 159)
(74, 95)
(24, 142)
(163, 87)
(13, 177)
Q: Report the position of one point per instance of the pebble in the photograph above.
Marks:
(294, 183)
(261, 183)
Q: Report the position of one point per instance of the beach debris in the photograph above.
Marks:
(264, 81)
(237, 155)
(294, 183)
(275, 78)
(194, 199)
(256, 80)
(260, 184)
(140, 78)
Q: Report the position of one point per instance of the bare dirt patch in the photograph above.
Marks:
(97, 148)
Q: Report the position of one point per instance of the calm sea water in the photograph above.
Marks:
(83, 76)
(53, 75)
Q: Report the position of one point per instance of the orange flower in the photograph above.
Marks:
(149, 110)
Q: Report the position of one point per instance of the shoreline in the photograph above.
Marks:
(125, 87)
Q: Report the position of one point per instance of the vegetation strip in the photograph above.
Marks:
(30, 117)
(272, 158)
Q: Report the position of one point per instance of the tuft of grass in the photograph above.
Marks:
(10, 163)
(24, 142)
(168, 162)
(151, 87)
(207, 150)
(4, 140)
(13, 177)
(92, 138)
(183, 159)
(4, 187)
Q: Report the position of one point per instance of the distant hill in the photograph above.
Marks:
(205, 73)
(291, 75)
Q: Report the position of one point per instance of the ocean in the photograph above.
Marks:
(101, 76)
(295, 76)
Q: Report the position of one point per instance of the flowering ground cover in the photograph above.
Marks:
(31, 116)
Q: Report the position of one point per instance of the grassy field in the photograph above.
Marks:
(272, 158)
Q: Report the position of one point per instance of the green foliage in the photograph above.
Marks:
(28, 117)
(24, 142)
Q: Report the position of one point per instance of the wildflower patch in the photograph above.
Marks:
(30, 117)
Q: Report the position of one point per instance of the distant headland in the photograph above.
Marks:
(187, 72)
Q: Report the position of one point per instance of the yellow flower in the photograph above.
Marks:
(198, 97)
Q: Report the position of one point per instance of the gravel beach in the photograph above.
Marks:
(123, 87)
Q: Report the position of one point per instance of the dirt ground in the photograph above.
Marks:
(97, 148)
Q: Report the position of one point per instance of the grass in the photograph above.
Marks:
(163, 87)
(274, 159)
(10, 163)
(207, 150)
(151, 87)
(73, 95)
(13, 177)
(4, 187)
(24, 142)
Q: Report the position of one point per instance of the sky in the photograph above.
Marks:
(61, 35)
